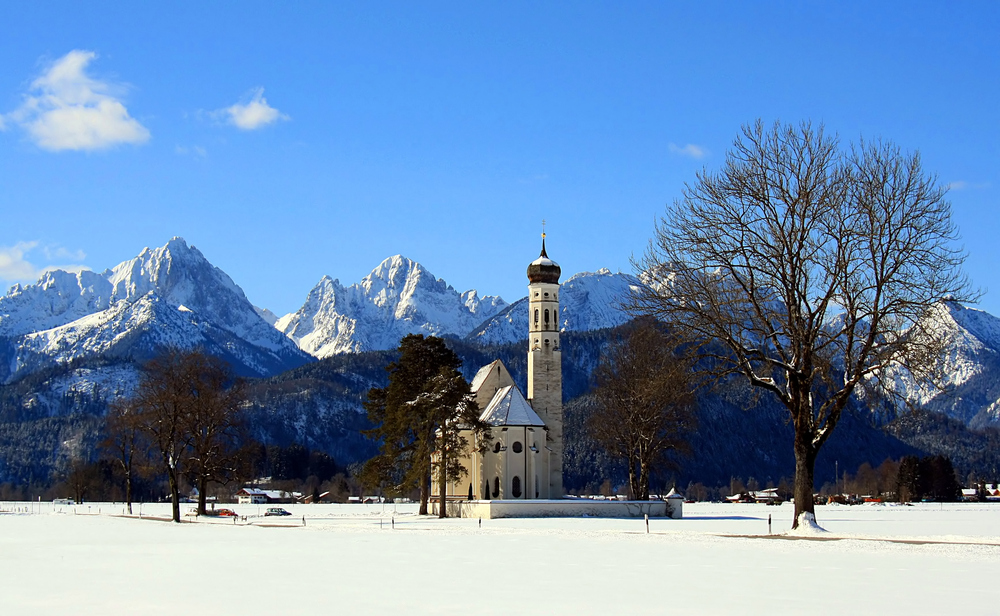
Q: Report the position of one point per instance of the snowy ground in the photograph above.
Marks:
(718, 560)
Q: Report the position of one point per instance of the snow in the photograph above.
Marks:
(66, 316)
(807, 526)
(718, 559)
(509, 408)
(587, 301)
(397, 298)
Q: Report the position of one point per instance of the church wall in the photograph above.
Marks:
(559, 508)
(460, 489)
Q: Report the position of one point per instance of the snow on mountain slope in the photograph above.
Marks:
(587, 301)
(970, 368)
(397, 298)
(56, 299)
(169, 296)
(269, 317)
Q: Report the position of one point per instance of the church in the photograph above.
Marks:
(525, 458)
(521, 472)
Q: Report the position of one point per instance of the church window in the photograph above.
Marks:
(546, 295)
(515, 487)
(536, 316)
(517, 447)
(546, 317)
(496, 487)
(496, 447)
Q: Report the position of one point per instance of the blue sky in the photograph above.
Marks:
(289, 141)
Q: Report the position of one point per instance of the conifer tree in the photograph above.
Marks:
(423, 402)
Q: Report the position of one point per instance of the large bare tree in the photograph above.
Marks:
(214, 423)
(187, 410)
(645, 401)
(812, 267)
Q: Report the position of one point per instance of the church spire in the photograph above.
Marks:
(543, 269)
(543, 241)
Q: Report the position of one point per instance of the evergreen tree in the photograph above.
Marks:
(416, 414)
(908, 479)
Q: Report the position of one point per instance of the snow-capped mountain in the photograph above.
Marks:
(587, 301)
(397, 298)
(970, 368)
(170, 296)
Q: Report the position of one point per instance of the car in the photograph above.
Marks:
(276, 511)
(226, 513)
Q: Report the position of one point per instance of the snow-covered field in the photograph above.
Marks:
(925, 559)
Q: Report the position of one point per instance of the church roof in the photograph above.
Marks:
(544, 269)
(509, 408)
(477, 381)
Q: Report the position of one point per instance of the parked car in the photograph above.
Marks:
(276, 511)
(226, 513)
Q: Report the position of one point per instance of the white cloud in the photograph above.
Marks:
(962, 185)
(694, 151)
(58, 252)
(65, 109)
(14, 265)
(253, 114)
(196, 150)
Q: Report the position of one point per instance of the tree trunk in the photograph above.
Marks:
(128, 491)
(443, 484)
(805, 463)
(425, 490)
(202, 484)
(633, 478)
(175, 500)
(643, 494)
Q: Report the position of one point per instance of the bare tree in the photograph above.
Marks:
(645, 402)
(188, 416)
(81, 478)
(123, 441)
(812, 267)
(213, 424)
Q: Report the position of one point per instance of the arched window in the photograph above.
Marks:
(496, 447)
(496, 487)
(517, 447)
(536, 316)
(546, 317)
(515, 487)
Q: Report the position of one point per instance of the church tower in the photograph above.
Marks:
(545, 360)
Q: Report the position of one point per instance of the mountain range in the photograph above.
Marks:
(71, 343)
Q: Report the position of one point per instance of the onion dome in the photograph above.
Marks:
(544, 269)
